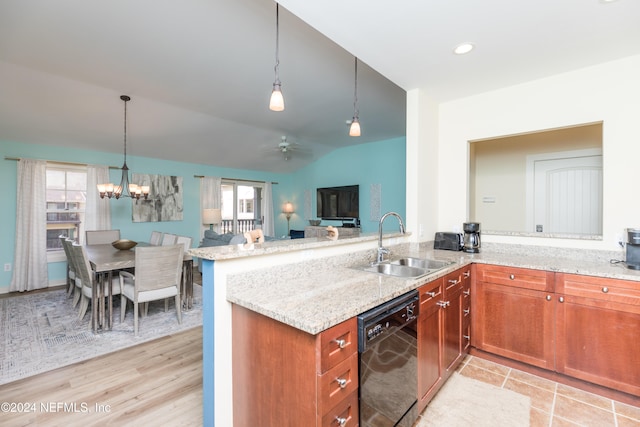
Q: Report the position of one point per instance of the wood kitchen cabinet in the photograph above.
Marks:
(598, 331)
(513, 311)
(283, 376)
(441, 341)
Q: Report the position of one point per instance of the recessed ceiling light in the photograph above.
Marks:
(463, 48)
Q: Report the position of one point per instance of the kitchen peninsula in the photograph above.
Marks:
(313, 285)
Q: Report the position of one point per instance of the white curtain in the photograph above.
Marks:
(97, 211)
(210, 196)
(30, 264)
(267, 227)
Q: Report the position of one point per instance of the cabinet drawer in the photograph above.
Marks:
(344, 414)
(338, 343)
(603, 289)
(430, 292)
(538, 280)
(337, 383)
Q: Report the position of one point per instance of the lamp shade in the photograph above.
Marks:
(211, 216)
(288, 208)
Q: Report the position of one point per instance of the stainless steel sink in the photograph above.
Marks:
(424, 263)
(396, 270)
(408, 267)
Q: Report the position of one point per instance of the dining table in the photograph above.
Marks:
(106, 260)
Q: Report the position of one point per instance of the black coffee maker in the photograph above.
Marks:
(471, 237)
(633, 248)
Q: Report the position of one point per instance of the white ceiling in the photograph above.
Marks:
(200, 72)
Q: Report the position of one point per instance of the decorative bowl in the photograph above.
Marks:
(123, 244)
(314, 222)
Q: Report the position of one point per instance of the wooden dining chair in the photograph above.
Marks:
(71, 270)
(101, 237)
(156, 238)
(157, 276)
(86, 276)
(169, 239)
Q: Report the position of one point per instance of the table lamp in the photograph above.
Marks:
(287, 209)
(211, 217)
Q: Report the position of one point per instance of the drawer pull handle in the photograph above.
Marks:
(466, 274)
(341, 343)
(548, 297)
(431, 294)
(605, 290)
(512, 277)
(341, 382)
(341, 421)
(561, 299)
(466, 337)
(467, 311)
(443, 304)
(467, 292)
(453, 281)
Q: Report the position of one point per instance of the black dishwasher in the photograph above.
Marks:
(388, 351)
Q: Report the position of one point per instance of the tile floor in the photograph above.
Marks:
(553, 404)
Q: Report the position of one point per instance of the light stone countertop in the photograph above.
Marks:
(316, 295)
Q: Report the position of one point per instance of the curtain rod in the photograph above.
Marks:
(238, 179)
(56, 161)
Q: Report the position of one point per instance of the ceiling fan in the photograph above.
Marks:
(287, 149)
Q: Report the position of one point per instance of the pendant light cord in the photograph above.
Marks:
(277, 66)
(355, 91)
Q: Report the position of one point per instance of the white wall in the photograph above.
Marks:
(608, 92)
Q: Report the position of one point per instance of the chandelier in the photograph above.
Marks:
(125, 189)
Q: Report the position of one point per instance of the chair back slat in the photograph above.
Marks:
(158, 267)
(185, 241)
(81, 262)
(66, 245)
(156, 238)
(101, 237)
(169, 239)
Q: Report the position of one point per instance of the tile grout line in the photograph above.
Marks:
(553, 404)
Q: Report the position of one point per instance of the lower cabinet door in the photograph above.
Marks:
(599, 342)
(429, 344)
(516, 323)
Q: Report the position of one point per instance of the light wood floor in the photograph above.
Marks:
(155, 383)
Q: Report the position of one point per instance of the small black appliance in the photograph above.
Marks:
(633, 248)
(471, 237)
(448, 241)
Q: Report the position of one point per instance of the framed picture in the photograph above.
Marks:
(165, 198)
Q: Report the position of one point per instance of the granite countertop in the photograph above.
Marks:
(316, 295)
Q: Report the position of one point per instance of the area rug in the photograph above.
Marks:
(41, 331)
(463, 401)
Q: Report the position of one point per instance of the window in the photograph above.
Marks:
(239, 203)
(66, 200)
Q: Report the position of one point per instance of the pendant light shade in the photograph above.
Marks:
(354, 129)
(277, 100)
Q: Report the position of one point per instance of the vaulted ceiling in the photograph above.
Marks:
(200, 72)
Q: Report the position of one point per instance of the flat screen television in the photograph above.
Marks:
(339, 203)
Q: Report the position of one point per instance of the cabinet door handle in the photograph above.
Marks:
(443, 304)
(453, 281)
(512, 277)
(467, 311)
(467, 337)
(605, 290)
(341, 421)
(467, 292)
(466, 274)
(341, 343)
(548, 297)
(341, 382)
(561, 299)
(431, 294)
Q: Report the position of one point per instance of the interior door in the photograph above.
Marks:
(568, 195)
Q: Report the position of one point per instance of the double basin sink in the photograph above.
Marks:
(408, 267)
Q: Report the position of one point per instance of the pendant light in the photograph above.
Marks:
(125, 189)
(354, 129)
(277, 100)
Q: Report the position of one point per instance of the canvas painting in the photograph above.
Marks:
(165, 198)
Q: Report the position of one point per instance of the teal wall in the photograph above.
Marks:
(374, 163)
(365, 164)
